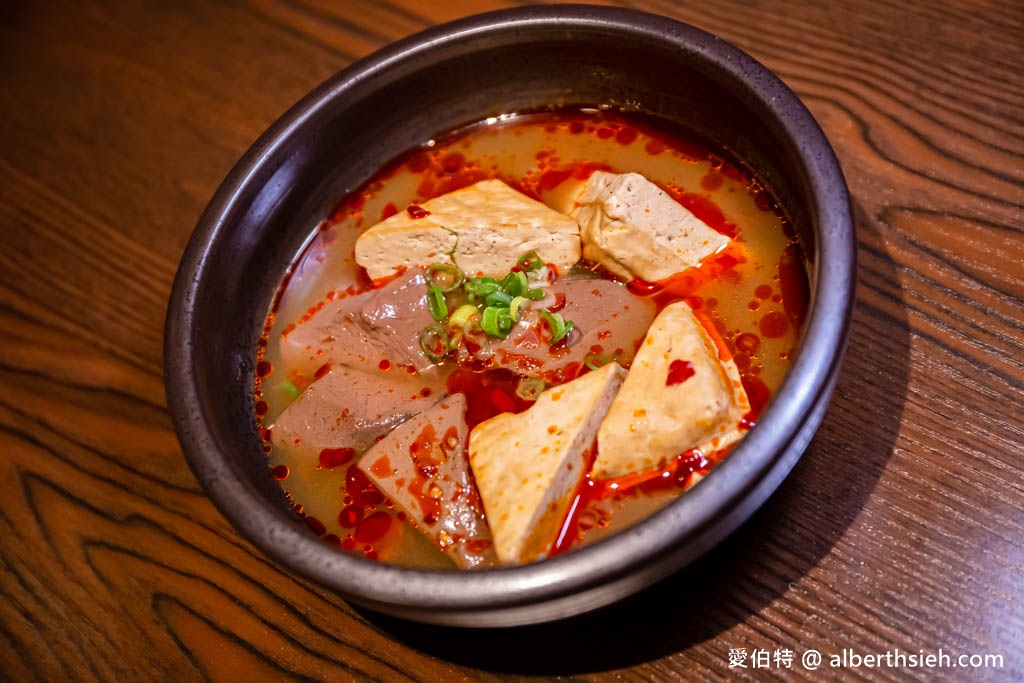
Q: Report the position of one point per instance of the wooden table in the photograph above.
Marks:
(901, 528)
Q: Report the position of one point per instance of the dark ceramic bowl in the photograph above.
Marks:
(341, 133)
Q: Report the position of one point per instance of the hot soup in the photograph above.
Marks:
(524, 336)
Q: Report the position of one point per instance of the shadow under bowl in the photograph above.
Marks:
(337, 137)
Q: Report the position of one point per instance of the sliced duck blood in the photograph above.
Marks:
(603, 312)
(371, 330)
(421, 466)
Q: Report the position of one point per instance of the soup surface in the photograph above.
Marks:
(751, 297)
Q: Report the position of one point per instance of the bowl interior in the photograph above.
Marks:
(342, 133)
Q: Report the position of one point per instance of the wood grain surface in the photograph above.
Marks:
(902, 527)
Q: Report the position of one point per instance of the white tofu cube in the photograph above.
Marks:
(527, 466)
(485, 228)
(679, 394)
(635, 230)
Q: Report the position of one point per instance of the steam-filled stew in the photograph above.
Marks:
(523, 337)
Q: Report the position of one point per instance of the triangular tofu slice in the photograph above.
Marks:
(485, 228)
(421, 466)
(528, 465)
(634, 229)
(679, 394)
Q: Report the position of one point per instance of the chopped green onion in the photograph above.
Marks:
(436, 303)
(535, 294)
(462, 315)
(489, 322)
(559, 327)
(445, 275)
(290, 388)
(515, 305)
(515, 283)
(505, 322)
(529, 388)
(498, 299)
(482, 286)
(530, 261)
(434, 342)
(595, 360)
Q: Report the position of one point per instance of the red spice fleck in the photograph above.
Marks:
(416, 211)
(678, 372)
(263, 369)
(426, 391)
(381, 467)
(350, 516)
(605, 133)
(384, 365)
(322, 370)
(626, 136)
(315, 525)
(261, 407)
(478, 385)
(335, 457)
(604, 334)
(348, 544)
(552, 179)
(280, 472)
(361, 489)
(558, 305)
(758, 394)
(373, 528)
(576, 127)
(773, 325)
(389, 211)
(642, 287)
(453, 163)
(712, 181)
(478, 546)
(796, 291)
(502, 401)
(654, 147)
(419, 162)
(763, 292)
(748, 342)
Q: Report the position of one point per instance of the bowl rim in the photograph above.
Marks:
(605, 570)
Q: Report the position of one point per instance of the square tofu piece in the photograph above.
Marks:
(635, 230)
(528, 465)
(486, 227)
(422, 467)
(679, 394)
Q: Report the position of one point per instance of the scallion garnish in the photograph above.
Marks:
(559, 327)
(445, 275)
(530, 262)
(515, 305)
(534, 294)
(495, 306)
(436, 303)
(434, 342)
(499, 299)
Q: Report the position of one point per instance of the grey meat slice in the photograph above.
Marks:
(422, 467)
(364, 329)
(604, 313)
(349, 408)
